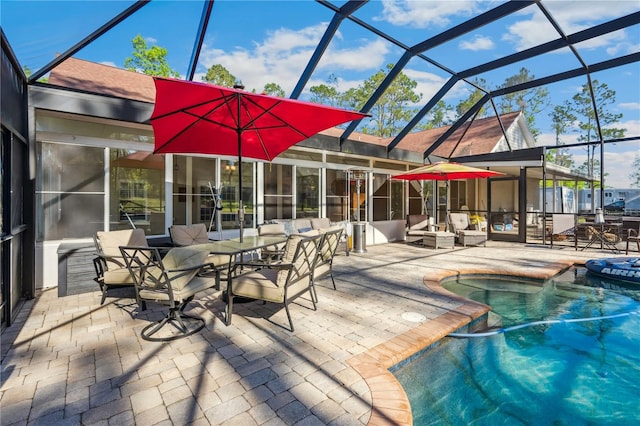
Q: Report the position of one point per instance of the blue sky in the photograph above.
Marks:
(272, 41)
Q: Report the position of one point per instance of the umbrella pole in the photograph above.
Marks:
(240, 205)
(446, 217)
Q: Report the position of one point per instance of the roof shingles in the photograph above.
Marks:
(483, 136)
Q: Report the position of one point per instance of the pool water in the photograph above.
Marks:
(576, 373)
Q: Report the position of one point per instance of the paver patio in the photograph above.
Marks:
(71, 361)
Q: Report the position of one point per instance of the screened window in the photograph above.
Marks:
(278, 191)
(381, 197)
(307, 193)
(137, 191)
(69, 191)
(194, 186)
(337, 195)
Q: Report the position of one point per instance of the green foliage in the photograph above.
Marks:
(473, 98)
(273, 89)
(438, 116)
(327, 94)
(582, 106)
(392, 112)
(149, 60)
(531, 102)
(634, 177)
(561, 118)
(220, 76)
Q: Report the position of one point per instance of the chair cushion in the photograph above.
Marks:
(272, 229)
(320, 223)
(458, 221)
(110, 241)
(420, 225)
(186, 235)
(417, 221)
(310, 233)
(259, 285)
(302, 224)
(183, 257)
(117, 276)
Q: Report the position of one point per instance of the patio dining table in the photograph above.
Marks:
(236, 249)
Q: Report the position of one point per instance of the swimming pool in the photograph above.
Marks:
(567, 373)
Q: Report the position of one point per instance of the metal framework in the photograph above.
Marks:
(420, 50)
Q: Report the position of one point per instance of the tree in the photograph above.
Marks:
(149, 60)
(582, 106)
(561, 117)
(531, 102)
(273, 89)
(220, 76)
(438, 116)
(473, 98)
(327, 94)
(391, 113)
(634, 177)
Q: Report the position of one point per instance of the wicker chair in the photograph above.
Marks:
(460, 225)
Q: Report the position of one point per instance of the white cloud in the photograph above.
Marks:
(109, 63)
(478, 43)
(572, 16)
(281, 57)
(423, 14)
(368, 56)
(629, 105)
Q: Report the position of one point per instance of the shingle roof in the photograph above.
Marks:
(104, 79)
(482, 136)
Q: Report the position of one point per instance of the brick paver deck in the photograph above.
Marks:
(71, 361)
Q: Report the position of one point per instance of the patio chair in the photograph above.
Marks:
(563, 226)
(111, 271)
(460, 225)
(416, 226)
(328, 245)
(279, 282)
(188, 235)
(633, 236)
(171, 280)
(275, 252)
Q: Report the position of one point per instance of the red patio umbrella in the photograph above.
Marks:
(192, 118)
(446, 171)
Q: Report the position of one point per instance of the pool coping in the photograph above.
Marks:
(390, 404)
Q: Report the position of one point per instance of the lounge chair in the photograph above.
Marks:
(279, 282)
(111, 271)
(460, 225)
(171, 280)
(420, 229)
(417, 225)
